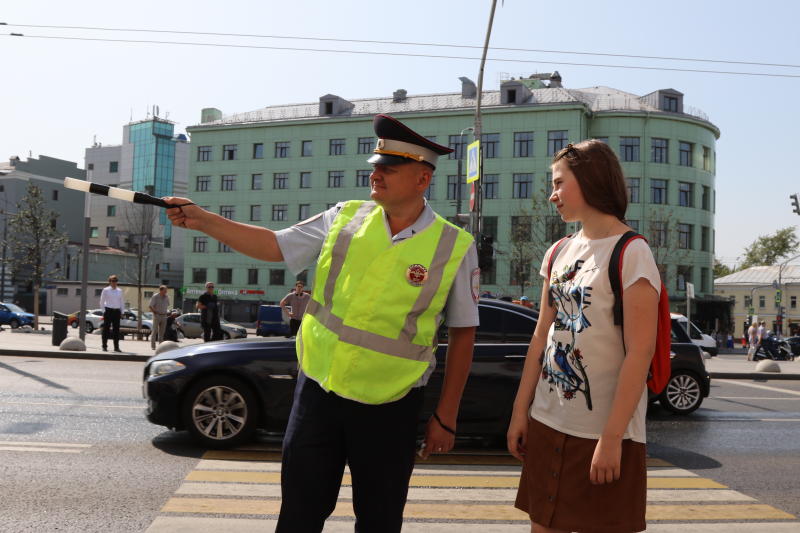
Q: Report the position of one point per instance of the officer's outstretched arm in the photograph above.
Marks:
(254, 241)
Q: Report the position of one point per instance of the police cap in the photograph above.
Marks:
(398, 144)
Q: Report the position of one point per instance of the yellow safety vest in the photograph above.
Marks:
(370, 329)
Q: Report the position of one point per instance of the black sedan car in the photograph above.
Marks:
(222, 391)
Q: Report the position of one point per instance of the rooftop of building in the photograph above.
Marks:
(761, 275)
(537, 90)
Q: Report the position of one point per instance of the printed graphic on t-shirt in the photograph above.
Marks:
(563, 366)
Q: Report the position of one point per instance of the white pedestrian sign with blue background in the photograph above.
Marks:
(473, 161)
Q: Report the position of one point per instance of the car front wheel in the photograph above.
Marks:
(683, 393)
(220, 411)
(88, 327)
(14, 323)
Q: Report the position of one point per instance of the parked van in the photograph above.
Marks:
(272, 321)
(705, 342)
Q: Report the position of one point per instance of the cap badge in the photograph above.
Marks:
(417, 275)
(380, 144)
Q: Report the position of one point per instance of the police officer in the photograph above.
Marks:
(388, 272)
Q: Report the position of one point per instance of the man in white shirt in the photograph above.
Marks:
(112, 303)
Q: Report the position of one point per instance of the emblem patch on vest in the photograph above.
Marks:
(417, 275)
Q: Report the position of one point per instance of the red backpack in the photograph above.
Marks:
(660, 368)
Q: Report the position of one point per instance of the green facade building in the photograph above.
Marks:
(282, 164)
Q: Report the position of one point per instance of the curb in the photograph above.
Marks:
(756, 376)
(76, 355)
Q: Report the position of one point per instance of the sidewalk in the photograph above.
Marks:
(730, 364)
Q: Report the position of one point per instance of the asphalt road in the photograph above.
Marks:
(78, 455)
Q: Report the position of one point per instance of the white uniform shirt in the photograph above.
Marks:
(584, 352)
(301, 244)
(112, 298)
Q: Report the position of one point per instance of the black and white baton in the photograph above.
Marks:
(120, 194)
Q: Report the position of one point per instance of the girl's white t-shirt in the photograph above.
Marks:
(584, 352)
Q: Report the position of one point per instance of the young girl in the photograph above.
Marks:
(578, 422)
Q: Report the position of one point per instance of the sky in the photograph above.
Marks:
(58, 96)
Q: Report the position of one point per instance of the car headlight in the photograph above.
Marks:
(168, 366)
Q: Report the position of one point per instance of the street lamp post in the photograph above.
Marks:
(460, 159)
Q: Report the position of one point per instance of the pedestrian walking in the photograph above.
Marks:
(297, 300)
(159, 306)
(208, 304)
(389, 271)
(578, 421)
(112, 303)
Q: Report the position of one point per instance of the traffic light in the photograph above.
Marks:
(485, 253)
(795, 203)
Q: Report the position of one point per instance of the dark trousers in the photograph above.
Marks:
(294, 325)
(111, 321)
(325, 432)
(212, 331)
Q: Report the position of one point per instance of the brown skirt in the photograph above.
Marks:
(555, 490)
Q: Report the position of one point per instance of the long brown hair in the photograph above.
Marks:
(599, 175)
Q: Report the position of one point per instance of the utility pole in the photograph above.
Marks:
(459, 171)
(478, 228)
(85, 265)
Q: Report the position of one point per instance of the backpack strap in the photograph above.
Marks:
(556, 250)
(615, 271)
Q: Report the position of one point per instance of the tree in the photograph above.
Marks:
(769, 249)
(140, 221)
(35, 241)
(721, 270)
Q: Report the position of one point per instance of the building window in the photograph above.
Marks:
(223, 248)
(634, 224)
(62, 291)
(555, 228)
(199, 275)
(490, 145)
(258, 151)
(228, 182)
(305, 180)
(280, 180)
(490, 186)
(336, 147)
(282, 149)
(685, 153)
(204, 153)
(704, 279)
(256, 182)
(229, 152)
(793, 302)
(685, 236)
(458, 144)
(109, 231)
(113, 167)
(453, 187)
(252, 276)
(227, 211)
(200, 244)
(77, 292)
(707, 158)
(362, 178)
(329, 205)
(669, 103)
(704, 234)
(111, 210)
(90, 166)
(521, 229)
(429, 191)
(629, 148)
(685, 194)
(279, 212)
(303, 211)
(276, 276)
(523, 144)
(556, 140)
(202, 183)
(684, 277)
(94, 232)
(633, 190)
(660, 151)
(365, 144)
(523, 185)
(705, 198)
(305, 149)
(762, 302)
(658, 191)
(55, 195)
(255, 212)
(335, 178)
(225, 276)
(658, 234)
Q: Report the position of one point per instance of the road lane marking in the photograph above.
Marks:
(52, 444)
(753, 398)
(49, 447)
(757, 386)
(463, 494)
(267, 466)
(56, 404)
(683, 483)
(749, 511)
(669, 472)
(33, 449)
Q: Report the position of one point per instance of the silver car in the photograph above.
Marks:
(189, 325)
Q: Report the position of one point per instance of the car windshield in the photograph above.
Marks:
(14, 308)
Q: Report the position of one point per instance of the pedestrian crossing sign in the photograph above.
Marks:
(473, 161)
